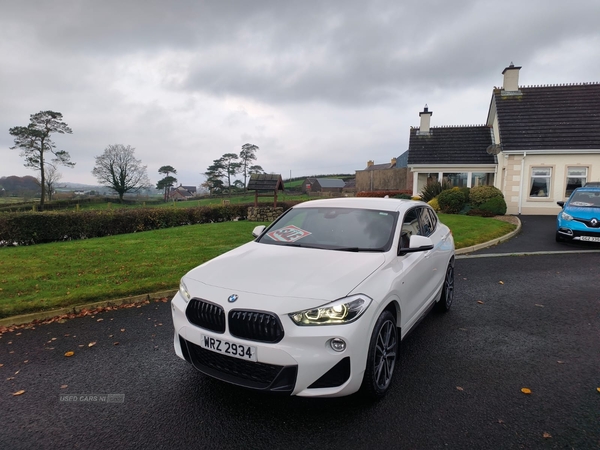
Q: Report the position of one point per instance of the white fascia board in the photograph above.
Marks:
(454, 167)
(552, 151)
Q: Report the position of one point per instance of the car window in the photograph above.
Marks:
(350, 229)
(410, 227)
(428, 221)
(585, 198)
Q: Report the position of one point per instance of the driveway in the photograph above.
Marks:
(537, 235)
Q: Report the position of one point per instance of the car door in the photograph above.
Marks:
(417, 272)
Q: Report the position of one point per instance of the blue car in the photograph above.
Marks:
(579, 219)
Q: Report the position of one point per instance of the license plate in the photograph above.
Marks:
(224, 347)
(590, 238)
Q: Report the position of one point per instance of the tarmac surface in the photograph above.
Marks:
(537, 235)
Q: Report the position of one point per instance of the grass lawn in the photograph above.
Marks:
(49, 276)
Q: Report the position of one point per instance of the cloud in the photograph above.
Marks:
(319, 86)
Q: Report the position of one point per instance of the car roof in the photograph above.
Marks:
(383, 204)
(588, 189)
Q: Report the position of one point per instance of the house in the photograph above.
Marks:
(537, 145)
(182, 193)
(454, 154)
(323, 185)
(546, 140)
(384, 177)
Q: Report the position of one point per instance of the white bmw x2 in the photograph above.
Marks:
(317, 304)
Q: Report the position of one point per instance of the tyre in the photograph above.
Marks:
(445, 301)
(381, 358)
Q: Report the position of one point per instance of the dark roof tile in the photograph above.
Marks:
(451, 145)
(559, 117)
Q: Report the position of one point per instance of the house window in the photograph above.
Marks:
(576, 177)
(456, 179)
(482, 179)
(540, 182)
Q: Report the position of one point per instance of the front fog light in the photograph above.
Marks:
(337, 344)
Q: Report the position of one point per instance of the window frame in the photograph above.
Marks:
(549, 183)
(585, 178)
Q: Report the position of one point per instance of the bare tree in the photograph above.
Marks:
(35, 143)
(52, 175)
(118, 169)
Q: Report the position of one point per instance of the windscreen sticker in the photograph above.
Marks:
(581, 204)
(291, 233)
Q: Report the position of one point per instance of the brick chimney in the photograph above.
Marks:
(511, 78)
(425, 120)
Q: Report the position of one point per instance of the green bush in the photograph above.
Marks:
(434, 204)
(35, 227)
(495, 205)
(481, 194)
(403, 196)
(451, 201)
(432, 190)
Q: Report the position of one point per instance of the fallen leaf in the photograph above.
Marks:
(18, 334)
(1, 365)
(537, 304)
(110, 335)
(480, 302)
(10, 378)
(463, 329)
(547, 435)
(560, 362)
(26, 361)
(81, 345)
(526, 390)
(69, 353)
(458, 388)
(116, 343)
(64, 386)
(91, 344)
(500, 421)
(21, 392)
(598, 389)
(17, 372)
(122, 329)
(53, 339)
(501, 282)
(99, 320)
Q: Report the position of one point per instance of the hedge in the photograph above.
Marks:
(36, 228)
(383, 193)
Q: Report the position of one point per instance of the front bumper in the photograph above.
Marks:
(302, 363)
(577, 231)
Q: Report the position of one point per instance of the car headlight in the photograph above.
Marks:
(342, 311)
(183, 290)
(565, 216)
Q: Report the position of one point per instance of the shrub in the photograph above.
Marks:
(432, 190)
(383, 193)
(434, 204)
(481, 194)
(495, 205)
(451, 201)
(34, 228)
(466, 193)
(403, 196)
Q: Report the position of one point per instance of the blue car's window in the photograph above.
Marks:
(346, 229)
(585, 198)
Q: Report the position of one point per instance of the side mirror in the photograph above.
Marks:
(417, 244)
(258, 230)
(561, 204)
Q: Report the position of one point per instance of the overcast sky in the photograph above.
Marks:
(319, 86)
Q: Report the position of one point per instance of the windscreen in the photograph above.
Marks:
(347, 229)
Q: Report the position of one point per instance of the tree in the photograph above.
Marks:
(255, 169)
(214, 177)
(52, 175)
(35, 144)
(230, 166)
(247, 156)
(118, 169)
(168, 181)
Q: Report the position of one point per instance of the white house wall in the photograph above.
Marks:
(514, 179)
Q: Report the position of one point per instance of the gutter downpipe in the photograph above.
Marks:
(522, 178)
